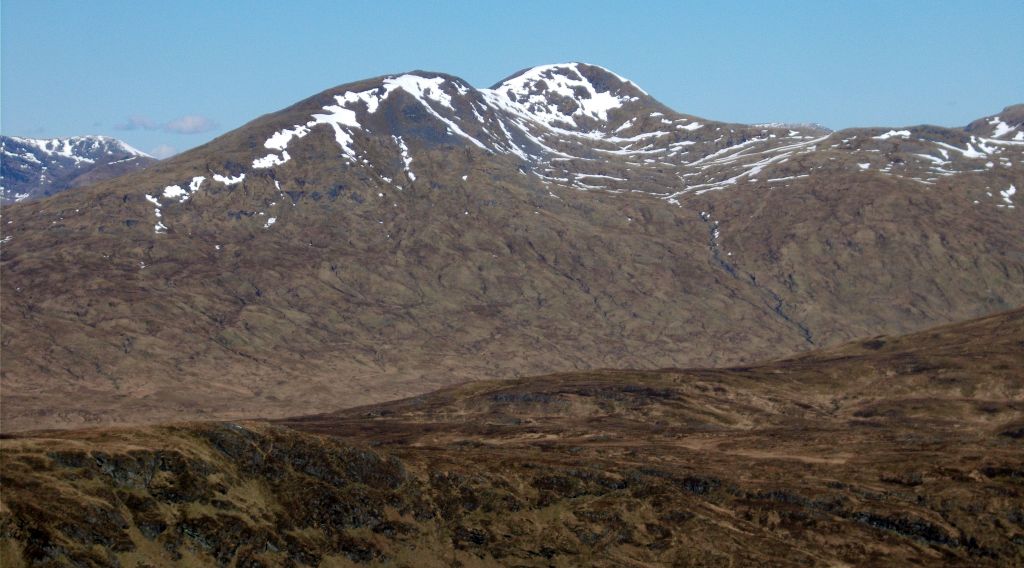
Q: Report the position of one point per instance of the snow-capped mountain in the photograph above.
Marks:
(33, 168)
(581, 126)
(391, 235)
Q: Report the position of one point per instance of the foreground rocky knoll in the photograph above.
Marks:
(887, 451)
(392, 236)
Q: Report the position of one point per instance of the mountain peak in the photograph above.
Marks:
(564, 94)
(574, 71)
(574, 98)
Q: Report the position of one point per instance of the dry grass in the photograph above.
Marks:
(890, 451)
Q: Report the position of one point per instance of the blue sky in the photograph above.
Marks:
(170, 75)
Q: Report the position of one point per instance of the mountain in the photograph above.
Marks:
(34, 168)
(392, 236)
(889, 451)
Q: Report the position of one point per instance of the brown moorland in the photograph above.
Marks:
(896, 451)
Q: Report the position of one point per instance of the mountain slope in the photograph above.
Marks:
(895, 451)
(36, 168)
(391, 236)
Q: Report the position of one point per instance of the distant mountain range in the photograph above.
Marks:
(391, 236)
(34, 168)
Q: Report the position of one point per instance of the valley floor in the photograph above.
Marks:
(889, 451)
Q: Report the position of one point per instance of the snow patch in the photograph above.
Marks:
(159, 227)
(181, 194)
(406, 158)
(1001, 128)
(893, 134)
(624, 126)
(271, 160)
(229, 180)
(1007, 194)
(528, 95)
(970, 152)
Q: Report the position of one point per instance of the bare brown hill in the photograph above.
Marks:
(392, 236)
(895, 451)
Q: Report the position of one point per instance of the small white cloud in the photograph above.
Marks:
(190, 124)
(137, 123)
(163, 151)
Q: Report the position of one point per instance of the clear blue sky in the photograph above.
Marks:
(175, 73)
